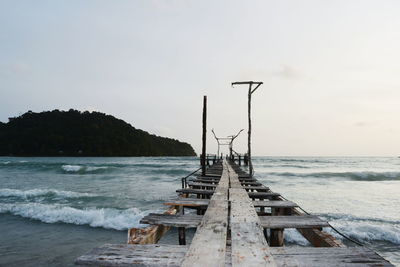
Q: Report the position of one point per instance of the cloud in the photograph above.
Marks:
(19, 67)
(287, 72)
(364, 123)
(15, 68)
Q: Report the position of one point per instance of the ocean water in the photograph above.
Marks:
(54, 209)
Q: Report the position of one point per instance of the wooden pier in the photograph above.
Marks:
(238, 221)
(237, 225)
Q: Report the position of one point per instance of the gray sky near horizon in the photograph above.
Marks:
(330, 69)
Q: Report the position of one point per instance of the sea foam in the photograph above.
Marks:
(369, 231)
(7, 192)
(82, 169)
(354, 175)
(106, 218)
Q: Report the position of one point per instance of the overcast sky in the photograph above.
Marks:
(331, 69)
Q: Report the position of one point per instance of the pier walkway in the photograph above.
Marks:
(239, 222)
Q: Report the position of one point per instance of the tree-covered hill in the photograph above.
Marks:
(75, 133)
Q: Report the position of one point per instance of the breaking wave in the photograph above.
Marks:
(357, 176)
(368, 231)
(82, 169)
(7, 192)
(106, 218)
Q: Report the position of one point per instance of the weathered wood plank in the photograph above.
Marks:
(188, 202)
(195, 191)
(134, 255)
(172, 256)
(331, 257)
(196, 202)
(258, 188)
(306, 221)
(186, 220)
(197, 184)
(249, 247)
(262, 195)
(248, 244)
(274, 204)
(208, 247)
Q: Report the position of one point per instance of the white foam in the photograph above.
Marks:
(106, 218)
(89, 169)
(71, 168)
(368, 231)
(293, 236)
(78, 168)
(7, 192)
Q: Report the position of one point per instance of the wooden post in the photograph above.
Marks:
(249, 132)
(277, 237)
(182, 235)
(203, 153)
(251, 91)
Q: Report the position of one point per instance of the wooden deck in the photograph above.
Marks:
(239, 222)
(154, 255)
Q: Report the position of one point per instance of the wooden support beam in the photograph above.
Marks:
(204, 137)
(151, 234)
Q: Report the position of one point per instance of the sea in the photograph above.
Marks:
(53, 210)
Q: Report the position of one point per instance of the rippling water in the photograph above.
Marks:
(54, 209)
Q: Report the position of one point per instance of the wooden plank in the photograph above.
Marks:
(331, 257)
(259, 195)
(208, 247)
(196, 184)
(185, 220)
(134, 255)
(196, 202)
(249, 247)
(188, 202)
(306, 221)
(172, 256)
(195, 191)
(275, 204)
(258, 188)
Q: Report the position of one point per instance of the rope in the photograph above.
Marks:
(333, 228)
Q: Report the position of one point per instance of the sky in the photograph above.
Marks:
(330, 69)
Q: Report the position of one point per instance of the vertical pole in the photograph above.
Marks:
(182, 236)
(249, 133)
(230, 150)
(203, 151)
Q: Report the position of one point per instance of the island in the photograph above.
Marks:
(76, 133)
